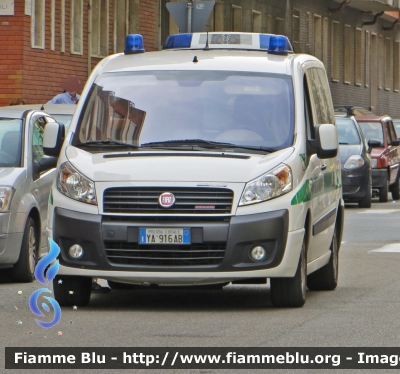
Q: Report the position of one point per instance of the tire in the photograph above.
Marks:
(81, 287)
(395, 189)
(23, 270)
(365, 202)
(326, 278)
(383, 191)
(291, 292)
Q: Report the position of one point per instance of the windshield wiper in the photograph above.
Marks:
(206, 144)
(108, 142)
(343, 143)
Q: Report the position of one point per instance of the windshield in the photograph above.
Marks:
(65, 119)
(372, 130)
(347, 131)
(10, 142)
(158, 106)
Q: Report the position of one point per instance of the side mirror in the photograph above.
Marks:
(373, 143)
(53, 138)
(395, 143)
(325, 144)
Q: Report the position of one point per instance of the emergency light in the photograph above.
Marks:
(274, 44)
(134, 44)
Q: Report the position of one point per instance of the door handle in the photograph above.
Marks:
(323, 167)
(36, 191)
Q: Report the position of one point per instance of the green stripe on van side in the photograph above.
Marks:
(312, 187)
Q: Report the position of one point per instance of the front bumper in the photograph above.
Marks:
(102, 239)
(378, 177)
(355, 183)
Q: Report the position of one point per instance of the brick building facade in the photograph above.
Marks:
(46, 40)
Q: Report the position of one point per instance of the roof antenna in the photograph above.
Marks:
(207, 48)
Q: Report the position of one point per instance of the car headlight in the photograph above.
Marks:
(6, 194)
(272, 184)
(354, 162)
(73, 184)
(374, 163)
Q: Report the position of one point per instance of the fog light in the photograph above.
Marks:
(258, 253)
(75, 251)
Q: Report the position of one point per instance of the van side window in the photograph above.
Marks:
(320, 96)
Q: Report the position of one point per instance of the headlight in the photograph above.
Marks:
(374, 163)
(73, 184)
(272, 184)
(5, 198)
(354, 162)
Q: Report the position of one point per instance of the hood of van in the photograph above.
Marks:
(174, 166)
(11, 176)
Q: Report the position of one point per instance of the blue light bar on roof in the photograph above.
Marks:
(279, 45)
(178, 41)
(134, 44)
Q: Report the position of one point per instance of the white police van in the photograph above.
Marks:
(212, 161)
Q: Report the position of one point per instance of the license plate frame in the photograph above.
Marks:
(165, 235)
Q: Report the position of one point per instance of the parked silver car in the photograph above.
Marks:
(26, 175)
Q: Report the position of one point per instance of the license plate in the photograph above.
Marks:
(164, 236)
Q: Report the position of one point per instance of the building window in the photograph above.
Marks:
(347, 53)
(236, 18)
(381, 61)
(308, 33)
(358, 58)
(388, 60)
(335, 52)
(367, 58)
(77, 27)
(100, 28)
(280, 26)
(270, 26)
(296, 30)
(396, 66)
(37, 24)
(256, 26)
(219, 16)
(325, 42)
(53, 25)
(126, 16)
(318, 37)
(62, 27)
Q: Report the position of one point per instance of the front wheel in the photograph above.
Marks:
(23, 270)
(384, 190)
(326, 278)
(72, 290)
(395, 188)
(291, 292)
(365, 202)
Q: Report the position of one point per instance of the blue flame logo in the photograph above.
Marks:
(45, 277)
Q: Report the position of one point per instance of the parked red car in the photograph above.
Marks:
(385, 154)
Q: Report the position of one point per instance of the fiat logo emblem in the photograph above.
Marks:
(166, 200)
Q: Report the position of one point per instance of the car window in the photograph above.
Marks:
(347, 131)
(10, 142)
(37, 139)
(388, 135)
(372, 130)
(392, 131)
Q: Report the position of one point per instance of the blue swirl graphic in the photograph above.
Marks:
(33, 304)
(46, 261)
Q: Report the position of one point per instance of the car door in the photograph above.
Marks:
(325, 178)
(393, 152)
(43, 170)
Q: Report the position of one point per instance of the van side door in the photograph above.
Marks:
(325, 178)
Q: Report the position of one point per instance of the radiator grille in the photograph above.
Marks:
(196, 254)
(193, 200)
